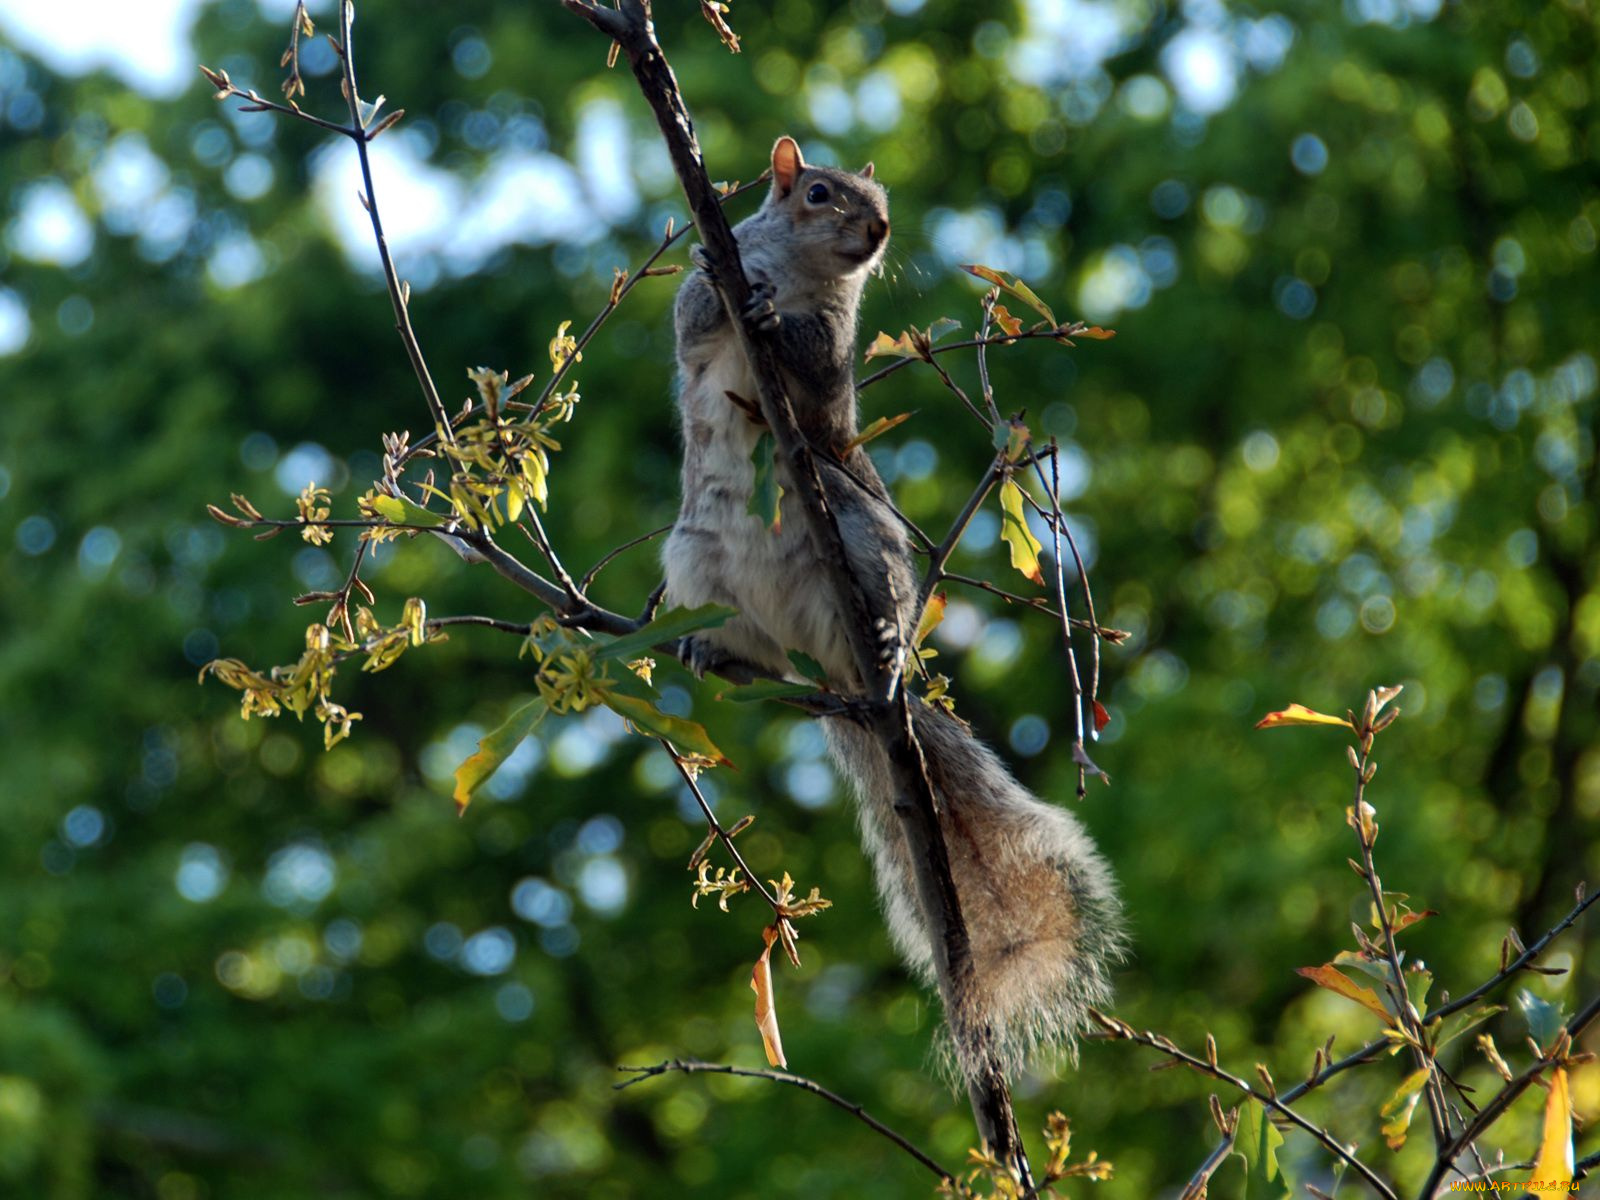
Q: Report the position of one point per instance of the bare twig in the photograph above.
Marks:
(691, 1067)
(592, 572)
(1195, 1189)
(398, 294)
(941, 552)
(1059, 519)
(1122, 1030)
(1080, 746)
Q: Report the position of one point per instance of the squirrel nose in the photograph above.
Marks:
(878, 230)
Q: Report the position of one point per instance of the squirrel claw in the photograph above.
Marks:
(759, 313)
(701, 257)
(701, 656)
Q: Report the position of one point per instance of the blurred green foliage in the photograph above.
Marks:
(1345, 436)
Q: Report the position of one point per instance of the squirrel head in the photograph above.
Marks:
(839, 219)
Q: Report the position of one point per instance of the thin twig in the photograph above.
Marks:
(1506, 1096)
(941, 552)
(613, 301)
(692, 1066)
(1055, 335)
(520, 628)
(542, 540)
(1080, 753)
(1195, 1189)
(1410, 1022)
(722, 834)
(1377, 1046)
(398, 294)
(960, 395)
(1122, 1030)
(1083, 571)
(592, 572)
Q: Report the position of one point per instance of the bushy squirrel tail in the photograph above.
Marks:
(1040, 903)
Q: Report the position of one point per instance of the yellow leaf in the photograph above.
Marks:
(879, 427)
(493, 749)
(1299, 714)
(901, 347)
(1554, 1166)
(1399, 1107)
(1335, 981)
(1016, 534)
(931, 616)
(766, 1011)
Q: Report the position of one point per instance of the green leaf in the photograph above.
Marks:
(640, 710)
(402, 511)
(1544, 1019)
(942, 327)
(1015, 533)
(1456, 1024)
(765, 689)
(808, 667)
(494, 748)
(1417, 985)
(1257, 1143)
(766, 494)
(667, 627)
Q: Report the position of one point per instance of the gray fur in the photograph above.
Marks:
(1038, 899)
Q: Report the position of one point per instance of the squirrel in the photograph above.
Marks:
(1040, 903)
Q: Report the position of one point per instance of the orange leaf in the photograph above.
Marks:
(931, 616)
(766, 1011)
(1335, 981)
(1299, 714)
(1101, 717)
(1407, 919)
(1098, 334)
(1554, 1166)
(1004, 319)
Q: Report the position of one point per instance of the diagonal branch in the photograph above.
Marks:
(1120, 1029)
(694, 1067)
(631, 27)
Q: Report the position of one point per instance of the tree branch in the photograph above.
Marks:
(1122, 1030)
(914, 803)
(1504, 1098)
(693, 1067)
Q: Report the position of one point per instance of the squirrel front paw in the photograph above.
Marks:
(701, 655)
(759, 313)
(701, 258)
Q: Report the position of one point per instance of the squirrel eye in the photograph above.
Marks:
(818, 193)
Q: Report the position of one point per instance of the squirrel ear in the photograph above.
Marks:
(866, 171)
(786, 165)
